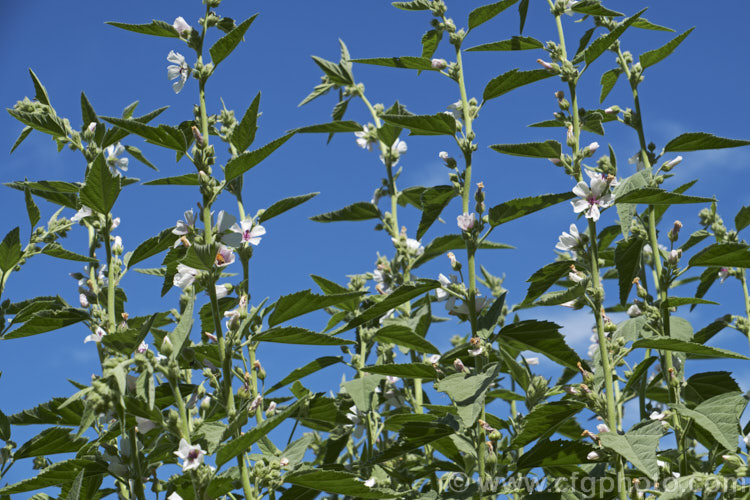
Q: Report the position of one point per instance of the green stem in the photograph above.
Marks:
(112, 286)
(612, 421)
(746, 295)
(135, 464)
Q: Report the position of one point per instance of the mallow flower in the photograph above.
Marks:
(569, 242)
(183, 227)
(250, 233)
(179, 70)
(96, 336)
(397, 149)
(466, 221)
(192, 456)
(591, 199)
(81, 214)
(181, 26)
(185, 276)
(364, 138)
(114, 162)
(224, 256)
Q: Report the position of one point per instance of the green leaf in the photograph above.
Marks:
(404, 370)
(407, 62)
(638, 446)
(40, 93)
(405, 337)
(413, 5)
(640, 372)
(656, 196)
(594, 8)
(543, 337)
(654, 56)
(50, 413)
(677, 345)
(414, 435)
(244, 134)
(645, 24)
(601, 44)
(430, 41)
(45, 321)
(608, 83)
(21, 137)
(234, 447)
(299, 303)
(514, 43)
(468, 391)
(152, 246)
(330, 128)
(75, 489)
(544, 278)
(162, 135)
(181, 333)
(513, 79)
(309, 368)
(178, 180)
(696, 141)
(442, 244)
(138, 155)
(523, 9)
(50, 441)
(681, 301)
(543, 420)
(337, 482)
(719, 416)
(88, 115)
(433, 201)
(515, 209)
(628, 264)
(155, 28)
(741, 220)
(299, 336)
(547, 453)
(484, 13)
(336, 73)
(560, 297)
(439, 124)
(4, 427)
(362, 210)
(703, 386)
(547, 149)
(10, 250)
(54, 249)
(282, 206)
(625, 211)
(47, 123)
(57, 474)
(244, 162)
(226, 44)
(400, 295)
(722, 255)
(101, 189)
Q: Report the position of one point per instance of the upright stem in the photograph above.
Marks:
(746, 295)
(112, 286)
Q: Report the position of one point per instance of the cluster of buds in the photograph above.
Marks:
(562, 102)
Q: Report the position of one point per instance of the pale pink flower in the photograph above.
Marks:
(593, 198)
(224, 256)
(602, 428)
(181, 26)
(545, 64)
(569, 241)
(192, 456)
(144, 425)
(439, 64)
(250, 233)
(466, 221)
(81, 214)
(723, 274)
(178, 70)
(142, 347)
(185, 276)
(96, 336)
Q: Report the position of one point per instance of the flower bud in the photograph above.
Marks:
(671, 164)
(439, 64)
(593, 456)
(455, 265)
(166, 347)
(545, 65)
(612, 110)
(181, 26)
(117, 246)
(674, 233)
(674, 256)
(602, 428)
(459, 365)
(85, 301)
(589, 150)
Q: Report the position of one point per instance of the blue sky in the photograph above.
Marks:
(701, 87)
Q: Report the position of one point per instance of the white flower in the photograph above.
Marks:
(576, 277)
(178, 70)
(356, 418)
(476, 352)
(532, 361)
(144, 425)
(439, 64)
(591, 199)
(479, 304)
(545, 65)
(81, 214)
(412, 245)
(443, 155)
(97, 336)
(181, 26)
(250, 234)
(746, 439)
(117, 245)
(183, 227)
(592, 456)
(674, 256)
(555, 161)
(392, 380)
(602, 428)
(370, 482)
(612, 110)
(115, 223)
(569, 242)
(364, 138)
(284, 462)
(634, 311)
(661, 463)
(224, 256)
(142, 347)
(648, 251)
(83, 300)
(258, 401)
(592, 148)
(435, 359)
(397, 149)
(92, 127)
(192, 456)
(569, 5)
(723, 274)
(185, 276)
(655, 415)
(637, 159)
(445, 282)
(459, 365)
(174, 496)
(456, 109)
(114, 162)
(465, 221)
(221, 291)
